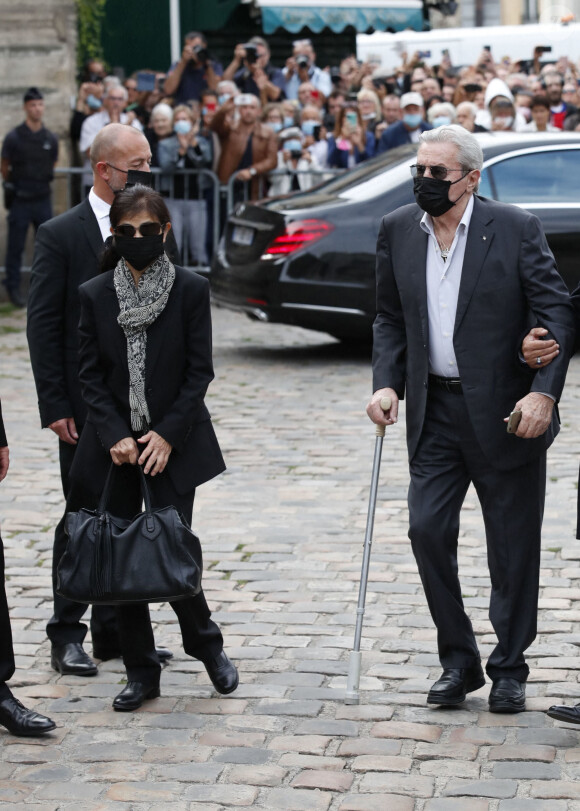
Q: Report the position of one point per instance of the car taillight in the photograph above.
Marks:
(297, 234)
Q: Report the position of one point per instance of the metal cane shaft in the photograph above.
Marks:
(354, 665)
(362, 592)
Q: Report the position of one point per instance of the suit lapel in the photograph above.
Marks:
(156, 335)
(416, 267)
(91, 228)
(118, 335)
(479, 239)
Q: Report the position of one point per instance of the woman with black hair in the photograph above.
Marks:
(145, 365)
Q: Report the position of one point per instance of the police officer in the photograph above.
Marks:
(29, 153)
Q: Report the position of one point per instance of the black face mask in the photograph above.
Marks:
(139, 252)
(433, 195)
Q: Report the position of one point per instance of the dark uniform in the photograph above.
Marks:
(31, 156)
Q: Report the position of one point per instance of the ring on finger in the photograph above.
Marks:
(538, 361)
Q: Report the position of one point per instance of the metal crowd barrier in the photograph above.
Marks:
(69, 189)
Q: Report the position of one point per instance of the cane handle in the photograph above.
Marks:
(385, 404)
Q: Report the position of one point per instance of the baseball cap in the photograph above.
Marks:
(411, 98)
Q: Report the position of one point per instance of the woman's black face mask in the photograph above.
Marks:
(139, 252)
(433, 195)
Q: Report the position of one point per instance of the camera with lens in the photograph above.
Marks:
(251, 53)
(302, 61)
(296, 154)
(201, 53)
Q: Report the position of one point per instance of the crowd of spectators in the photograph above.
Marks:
(279, 128)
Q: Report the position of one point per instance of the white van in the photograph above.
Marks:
(465, 44)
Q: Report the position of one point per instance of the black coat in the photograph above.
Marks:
(67, 253)
(178, 371)
(509, 283)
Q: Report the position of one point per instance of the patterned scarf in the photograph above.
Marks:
(140, 307)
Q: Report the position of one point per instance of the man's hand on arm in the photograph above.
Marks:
(4, 462)
(534, 346)
(66, 430)
(376, 413)
(536, 411)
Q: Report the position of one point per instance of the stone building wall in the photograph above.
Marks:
(38, 41)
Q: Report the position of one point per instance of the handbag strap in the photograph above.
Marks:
(105, 495)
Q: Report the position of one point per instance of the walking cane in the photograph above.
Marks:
(351, 695)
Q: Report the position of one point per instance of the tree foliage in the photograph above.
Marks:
(91, 14)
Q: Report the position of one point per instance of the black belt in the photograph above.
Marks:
(450, 384)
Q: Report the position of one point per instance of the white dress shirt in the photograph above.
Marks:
(443, 280)
(101, 211)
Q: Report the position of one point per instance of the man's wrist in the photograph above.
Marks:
(253, 171)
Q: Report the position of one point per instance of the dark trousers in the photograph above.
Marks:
(65, 624)
(201, 636)
(6, 650)
(447, 460)
(22, 214)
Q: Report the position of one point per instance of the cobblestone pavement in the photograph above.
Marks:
(282, 533)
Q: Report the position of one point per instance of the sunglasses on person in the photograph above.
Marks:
(146, 229)
(437, 172)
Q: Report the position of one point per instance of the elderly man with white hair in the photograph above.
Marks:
(465, 114)
(458, 278)
(114, 102)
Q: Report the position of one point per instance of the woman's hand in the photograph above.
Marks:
(125, 451)
(155, 454)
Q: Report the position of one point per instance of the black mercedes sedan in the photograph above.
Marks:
(308, 259)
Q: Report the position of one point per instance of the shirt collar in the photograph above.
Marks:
(100, 208)
(427, 220)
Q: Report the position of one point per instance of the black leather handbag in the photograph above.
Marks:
(152, 558)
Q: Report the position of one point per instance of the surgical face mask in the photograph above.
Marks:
(274, 125)
(182, 127)
(526, 112)
(93, 102)
(441, 121)
(308, 127)
(139, 252)
(288, 121)
(505, 121)
(433, 195)
(223, 98)
(368, 117)
(293, 145)
(412, 120)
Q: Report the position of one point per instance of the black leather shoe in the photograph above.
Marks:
(507, 695)
(70, 658)
(134, 695)
(20, 721)
(571, 715)
(104, 654)
(223, 673)
(454, 684)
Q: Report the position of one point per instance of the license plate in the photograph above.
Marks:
(242, 235)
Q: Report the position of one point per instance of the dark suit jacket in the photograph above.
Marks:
(509, 283)
(178, 371)
(397, 135)
(67, 253)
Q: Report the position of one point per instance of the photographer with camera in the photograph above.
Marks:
(196, 71)
(251, 70)
(301, 68)
(295, 162)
